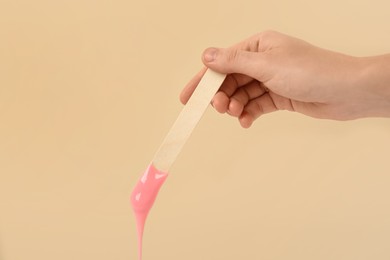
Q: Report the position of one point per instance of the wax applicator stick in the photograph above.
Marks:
(187, 120)
(145, 192)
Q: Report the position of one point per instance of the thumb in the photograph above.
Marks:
(232, 60)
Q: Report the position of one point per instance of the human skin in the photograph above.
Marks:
(271, 71)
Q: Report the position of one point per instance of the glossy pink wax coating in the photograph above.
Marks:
(143, 197)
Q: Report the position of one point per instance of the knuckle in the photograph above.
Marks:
(232, 55)
(265, 39)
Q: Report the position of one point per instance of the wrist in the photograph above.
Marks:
(374, 83)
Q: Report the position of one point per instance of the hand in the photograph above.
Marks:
(271, 71)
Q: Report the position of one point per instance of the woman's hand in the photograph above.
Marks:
(271, 71)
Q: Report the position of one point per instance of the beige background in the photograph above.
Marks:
(88, 89)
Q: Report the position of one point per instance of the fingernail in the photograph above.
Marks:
(210, 54)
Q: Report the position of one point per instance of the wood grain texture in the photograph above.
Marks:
(187, 120)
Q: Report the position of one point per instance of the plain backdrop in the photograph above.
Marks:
(88, 89)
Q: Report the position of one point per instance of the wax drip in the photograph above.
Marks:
(143, 197)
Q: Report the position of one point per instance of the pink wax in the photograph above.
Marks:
(143, 197)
